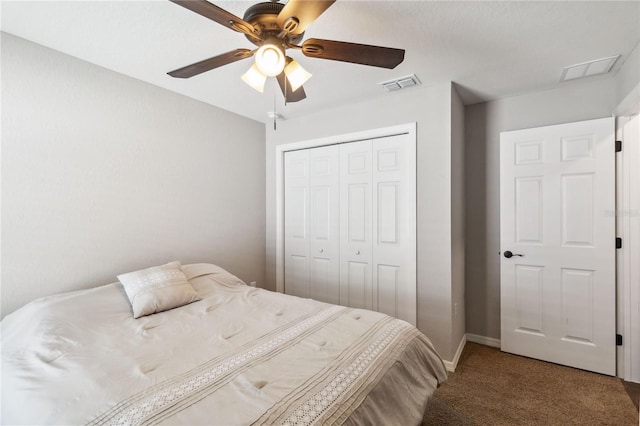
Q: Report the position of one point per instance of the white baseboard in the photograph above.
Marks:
(483, 340)
(451, 365)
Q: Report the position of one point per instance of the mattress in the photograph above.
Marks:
(240, 356)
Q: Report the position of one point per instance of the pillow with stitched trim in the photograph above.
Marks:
(157, 289)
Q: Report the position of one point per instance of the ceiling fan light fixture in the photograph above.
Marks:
(274, 27)
(296, 75)
(270, 59)
(254, 78)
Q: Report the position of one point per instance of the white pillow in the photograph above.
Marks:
(157, 289)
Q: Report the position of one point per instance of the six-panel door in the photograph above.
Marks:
(558, 288)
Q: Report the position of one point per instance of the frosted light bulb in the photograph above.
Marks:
(254, 78)
(296, 75)
(270, 60)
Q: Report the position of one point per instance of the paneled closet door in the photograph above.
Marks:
(296, 230)
(393, 230)
(312, 223)
(378, 226)
(324, 237)
(350, 225)
(356, 245)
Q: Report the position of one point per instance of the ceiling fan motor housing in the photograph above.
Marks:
(265, 16)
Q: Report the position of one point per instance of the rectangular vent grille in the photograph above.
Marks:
(400, 83)
(587, 69)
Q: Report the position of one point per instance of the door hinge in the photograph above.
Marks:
(618, 146)
(618, 243)
(618, 339)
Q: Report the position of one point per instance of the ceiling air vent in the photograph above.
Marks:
(400, 83)
(587, 69)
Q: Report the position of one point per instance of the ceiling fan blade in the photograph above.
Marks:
(211, 63)
(304, 11)
(290, 96)
(219, 15)
(375, 56)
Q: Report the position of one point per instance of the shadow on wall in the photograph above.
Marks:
(478, 250)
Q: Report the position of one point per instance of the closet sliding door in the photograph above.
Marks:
(350, 225)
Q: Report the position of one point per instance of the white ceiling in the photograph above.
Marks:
(490, 49)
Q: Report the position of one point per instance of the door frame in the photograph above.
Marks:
(401, 129)
(628, 271)
(628, 357)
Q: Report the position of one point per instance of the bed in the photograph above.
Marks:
(239, 355)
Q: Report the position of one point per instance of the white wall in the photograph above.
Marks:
(104, 174)
(579, 100)
(430, 107)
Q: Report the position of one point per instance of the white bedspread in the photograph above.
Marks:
(239, 356)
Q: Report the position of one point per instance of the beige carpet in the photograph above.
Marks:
(490, 387)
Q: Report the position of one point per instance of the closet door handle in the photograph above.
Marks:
(321, 250)
(357, 251)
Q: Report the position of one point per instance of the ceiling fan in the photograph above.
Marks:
(275, 27)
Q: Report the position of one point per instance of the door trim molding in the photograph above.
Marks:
(628, 271)
(402, 129)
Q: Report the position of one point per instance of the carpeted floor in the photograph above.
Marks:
(633, 389)
(490, 387)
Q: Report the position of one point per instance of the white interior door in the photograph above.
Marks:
(557, 188)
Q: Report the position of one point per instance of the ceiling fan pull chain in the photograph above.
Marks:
(275, 113)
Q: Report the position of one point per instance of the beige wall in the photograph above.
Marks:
(104, 174)
(430, 108)
(457, 220)
(576, 101)
(628, 84)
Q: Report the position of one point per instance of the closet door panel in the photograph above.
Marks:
(358, 211)
(324, 238)
(387, 284)
(297, 276)
(296, 231)
(320, 284)
(393, 219)
(359, 287)
(355, 225)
